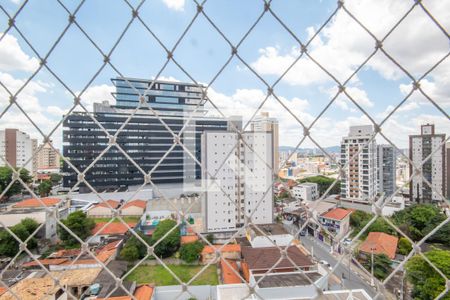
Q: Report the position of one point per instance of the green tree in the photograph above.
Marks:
(44, 188)
(130, 253)
(30, 224)
(404, 246)
(170, 244)
(135, 248)
(6, 175)
(419, 219)
(428, 284)
(191, 252)
(380, 225)
(323, 183)
(381, 265)
(55, 178)
(9, 246)
(79, 224)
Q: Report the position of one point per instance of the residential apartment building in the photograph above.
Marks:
(242, 169)
(359, 182)
(307, 191)
(145, 138)
(48, 158)
(447, 191)
(386, 169)
(17, 148)
(263, 123)
(427, 145)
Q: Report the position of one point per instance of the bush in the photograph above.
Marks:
(191, 252)
(323, 183)
(79, 224)
(130, 253)
(404, 246)
(170, 244)
(135, 249)
(381, 265)
(9, 246)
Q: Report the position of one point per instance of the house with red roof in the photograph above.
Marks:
(229, 251)
(336, 221)
(114, 230)
(134, 208)
(379, 243)
(34, 203)
(103, 209)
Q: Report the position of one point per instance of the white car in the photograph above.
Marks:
(325, 264)
(347, 241)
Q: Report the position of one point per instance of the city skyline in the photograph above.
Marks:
(237, 90)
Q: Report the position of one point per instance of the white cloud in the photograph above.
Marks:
(177, 5)
(15, 1)
(56, 111)
(12, 57)
(343, 45)
(358, 95)
(97, 93)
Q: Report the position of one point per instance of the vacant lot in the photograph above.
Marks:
(159, 276)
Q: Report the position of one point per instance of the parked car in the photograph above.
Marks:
(326, 264)
(347, 241)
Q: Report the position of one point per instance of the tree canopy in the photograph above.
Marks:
(428, 283)
(419, 219)
(6, 175)
(191, 252)
(9, 246)
(323, 183)
(170, 244)
(359, 219)
(381, 265)
(134, 248)
(79, 224)
(44, 188)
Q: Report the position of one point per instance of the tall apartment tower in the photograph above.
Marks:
(48, 158)
(243, 179)
(420, 147)
(386, 169)
(145, 138)
(17, 147)
(359, 182)
(263, 123)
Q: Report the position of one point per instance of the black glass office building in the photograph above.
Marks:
(145, 138)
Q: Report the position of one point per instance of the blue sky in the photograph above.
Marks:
(269, 49)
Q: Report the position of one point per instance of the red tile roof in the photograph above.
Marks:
(3, 290)
(336, 213)
(45, 262)
(112, 203)
(265, 258)
(186, 239)
(226, 248)
(143, 292)
(110, 246)
(138, 203)
(112, 228)
(228, 276)
(66, 253)
(381, 243)
(33, 202)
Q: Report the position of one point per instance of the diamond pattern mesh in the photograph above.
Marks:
(382, 288)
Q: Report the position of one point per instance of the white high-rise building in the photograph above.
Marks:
(360, 179)
(263, 123)
(16, 147)
(242, 168)
(428, 143)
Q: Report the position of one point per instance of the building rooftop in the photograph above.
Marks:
(114, 228)
(336, 213)
(45, 262)
(228, 276)
(186, 239)
(265, 258)
(34, 202)
(288, 279)
(268, 229)
(138, 203)
(107, 204)
(226, 248)
(381, 243)
(42, 287)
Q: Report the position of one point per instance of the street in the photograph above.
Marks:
(322, 252)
